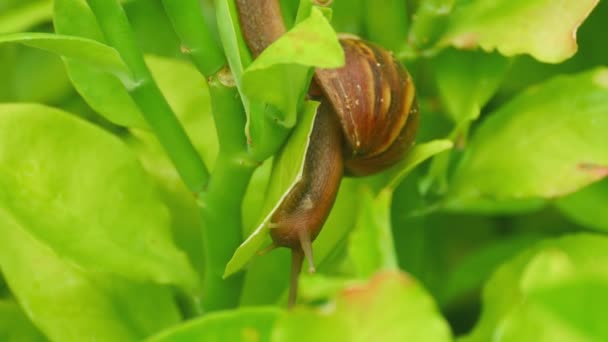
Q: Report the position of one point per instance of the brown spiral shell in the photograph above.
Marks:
(374, 98)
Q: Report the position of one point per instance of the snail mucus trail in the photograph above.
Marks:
(366, 122)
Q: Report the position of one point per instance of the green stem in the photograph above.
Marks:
(146, 94)
(187, 19)
(221, 203)
(221, 210)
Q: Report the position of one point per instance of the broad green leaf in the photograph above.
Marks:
(467, 80)
(25, 16)
(391, 307)
(36, 76)
(546, 143)
(287, 171)
(371, 247)
(85, 50)
(102, 91)
(587, 206)
(246, 325)
(555, 291)
(69, 303)
(542, 28)
(280, 75)
(15, 326)
(79, 191)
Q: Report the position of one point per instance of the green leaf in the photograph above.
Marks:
(78, 191)
(85, 50)
(102, 91)
(248, 324)
(391, 307)
(587, 206)
(15, 326)
(541, 28)
(386, 22)
(287, 171)
(371, 247)
(545, 143)
(467, 80)
(429, 22)
(25, 16)
(280, 75)
(69, 303)
(417, 155)
(555, 291)
(348, 16)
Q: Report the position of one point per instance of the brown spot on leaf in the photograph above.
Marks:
(595, 170)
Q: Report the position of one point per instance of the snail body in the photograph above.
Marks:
(366, 122)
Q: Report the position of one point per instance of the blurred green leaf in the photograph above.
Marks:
(429, 22)
(15, 326)
(555, 291)
(37, 76)
(417, 155)
(391, 307)
(70, 304)
(541, 28)
(371, 247)
(348, 16)
(592, 52)
(386, 22)
(152, 28)
(84, 50)
(534, 147)
(476, 268)
(78, 191)
(244, 325)
(102, 91)
(287, 171)
(23, 17)
(466, 80)
(587, 206)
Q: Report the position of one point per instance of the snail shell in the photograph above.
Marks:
(374, 98)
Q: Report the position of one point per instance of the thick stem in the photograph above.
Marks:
(197, 40)
(146, 94)
(221, 210)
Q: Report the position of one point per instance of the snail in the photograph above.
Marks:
(366, 122)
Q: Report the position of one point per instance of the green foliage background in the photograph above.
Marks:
(132, 167)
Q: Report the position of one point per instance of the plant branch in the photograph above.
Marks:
(187, 19)
(221, 203)
(148, 97)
